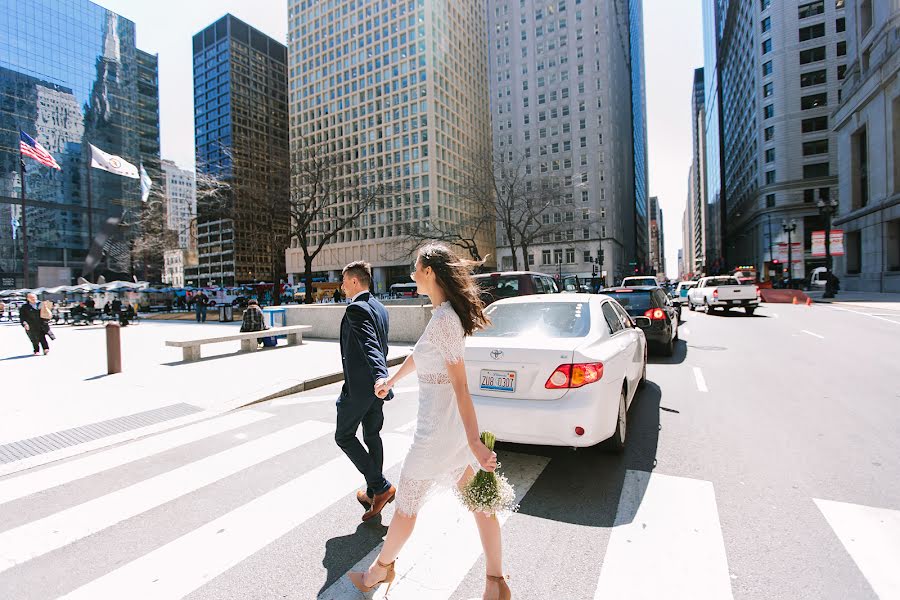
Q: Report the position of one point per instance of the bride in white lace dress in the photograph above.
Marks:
(447, 448)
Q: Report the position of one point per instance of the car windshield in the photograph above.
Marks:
(538, 319)
(634, 303)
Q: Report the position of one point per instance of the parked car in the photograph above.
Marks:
(723, 292)
(639, 281)
(681, 292)
(655, 304)
(556, 370)
(510, 284)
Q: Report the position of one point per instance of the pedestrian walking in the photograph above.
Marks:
(46, 317)
(30, 318)
(337, 295)
(364, 348)
(200, 301)
(447, 442)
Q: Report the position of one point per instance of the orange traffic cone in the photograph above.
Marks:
(809, 302)
(794, 300)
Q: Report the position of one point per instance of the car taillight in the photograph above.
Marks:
(757, 291)
(574, 375)
(655, 314)
(715, 294)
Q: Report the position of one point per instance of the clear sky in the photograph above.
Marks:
(673, 47)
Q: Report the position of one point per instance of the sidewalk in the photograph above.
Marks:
(64, 403)
(876, 300)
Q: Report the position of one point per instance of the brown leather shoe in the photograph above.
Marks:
(379, 502)
(363, 499)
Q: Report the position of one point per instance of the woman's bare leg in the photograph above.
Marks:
(491, 543)
(399, 530)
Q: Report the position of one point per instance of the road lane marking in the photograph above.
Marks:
(671, 523)
(59, 474)
(445, 544)
(701, 382)
(39, 537)
(185, 564)
(872, 538)
(821, 337)
(856, 312)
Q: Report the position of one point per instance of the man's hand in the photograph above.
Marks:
(26, 326)
(382, 386)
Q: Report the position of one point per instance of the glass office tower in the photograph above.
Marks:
(68, 77)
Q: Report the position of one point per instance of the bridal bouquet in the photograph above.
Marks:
(489, 493)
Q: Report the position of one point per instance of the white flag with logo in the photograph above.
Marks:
(146, 184)
(112, 163)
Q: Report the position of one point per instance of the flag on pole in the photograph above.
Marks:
(146, 184)
(30, 148)
(112, 163)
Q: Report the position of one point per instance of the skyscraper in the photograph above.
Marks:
(241, 125)
(639, 133)
(396, 94)
(88, 90)
(697, 203)
(657, 238)
(780, 65)
(179, 189)
(567, 97)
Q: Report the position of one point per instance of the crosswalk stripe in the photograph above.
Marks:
(180, 567)
(297, 401)
(671, 523)
(33, 539)
(31, 483)
(872, 538)
(444, 545)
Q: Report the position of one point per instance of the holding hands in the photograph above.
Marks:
(382, 387)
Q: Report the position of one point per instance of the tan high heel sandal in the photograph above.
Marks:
(358, 579)
(505, 593)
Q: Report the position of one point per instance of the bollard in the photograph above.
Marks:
(113, 349)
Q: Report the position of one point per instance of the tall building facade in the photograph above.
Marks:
(780, 65)
(88, 90)
(867, 128)
(697, 200)
(564, 96)
(243, 173)
(639, 134)
(657, 237)
(713, 24)
(181, 202)
(395, 93)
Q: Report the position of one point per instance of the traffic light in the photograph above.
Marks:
(594, 269)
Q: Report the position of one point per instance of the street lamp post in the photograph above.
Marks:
(827, 209)
(789, 229)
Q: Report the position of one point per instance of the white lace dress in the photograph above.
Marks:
(439, 454)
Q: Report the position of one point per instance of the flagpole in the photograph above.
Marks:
(90, 205)
(23, 226)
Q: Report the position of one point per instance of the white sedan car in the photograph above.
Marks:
(556, 370)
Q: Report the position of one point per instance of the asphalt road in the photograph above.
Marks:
(761, 464)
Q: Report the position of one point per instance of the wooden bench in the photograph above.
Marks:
(249, 343)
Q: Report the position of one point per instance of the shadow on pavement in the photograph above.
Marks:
(583, 486)
(350, 549)
(678, 356)
(17, 357)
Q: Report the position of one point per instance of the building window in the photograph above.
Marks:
(865, 17)
(814, 124)
(812, 55)
(842, 48)
(570, 256)
(812, 32)
(767, 68)
(841, 72)
(770, 200)
(769, 133)
(811, 9)
(895, 144)
(764, 4)
(859, 167)
(893, 245)
(815, 170)
(545, 257)
(768, 89)
(840, 25)
(557, 256)
(766, 24)
(769, 111)
(770, 155)
(809, 196)
(814, 101)
(815, 147)
(767, 46)
(770, 177)
(587, 256)
(853, 250)
(813, 78)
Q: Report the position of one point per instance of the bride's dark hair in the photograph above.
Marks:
(454, 275)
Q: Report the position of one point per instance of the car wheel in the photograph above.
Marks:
(617, 442)
(643, 379)
(706, 307)
(691, 306)
(669, 349)
(750, 310)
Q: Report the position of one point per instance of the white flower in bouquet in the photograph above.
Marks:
(486, 492)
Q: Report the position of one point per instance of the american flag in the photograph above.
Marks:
(30, 148)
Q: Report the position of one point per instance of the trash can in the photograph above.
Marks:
(226, 313)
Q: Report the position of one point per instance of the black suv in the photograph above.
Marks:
(655, 304)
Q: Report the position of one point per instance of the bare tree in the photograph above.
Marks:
(328, 195)
(536, 216)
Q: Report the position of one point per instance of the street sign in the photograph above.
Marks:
(7, 283)
(837, 243)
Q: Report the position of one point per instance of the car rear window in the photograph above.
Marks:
(635, 303)
(539, 319)
(722, 281)
(499, 287)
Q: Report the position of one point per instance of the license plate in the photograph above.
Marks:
(498, 381)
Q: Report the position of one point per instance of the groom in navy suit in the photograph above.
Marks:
(364, 348)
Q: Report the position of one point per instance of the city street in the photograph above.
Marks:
(761, 463)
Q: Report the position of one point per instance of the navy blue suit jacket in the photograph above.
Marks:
(364, 348)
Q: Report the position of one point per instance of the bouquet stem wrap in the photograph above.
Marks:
(489, 493)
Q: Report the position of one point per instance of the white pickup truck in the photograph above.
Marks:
(723, 292)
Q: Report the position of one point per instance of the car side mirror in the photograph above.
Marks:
(642, 322)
